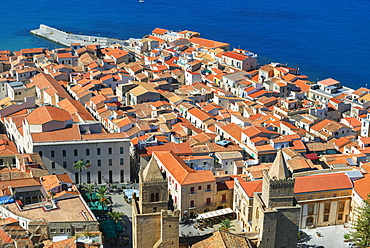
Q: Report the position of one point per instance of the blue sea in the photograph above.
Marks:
(324, 38)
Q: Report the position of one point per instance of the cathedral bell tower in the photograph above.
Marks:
(153, 196)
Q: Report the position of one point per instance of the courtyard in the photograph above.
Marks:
(329, 236)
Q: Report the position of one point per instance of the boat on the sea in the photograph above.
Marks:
(141, 1)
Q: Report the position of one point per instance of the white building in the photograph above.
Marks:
(50, 131)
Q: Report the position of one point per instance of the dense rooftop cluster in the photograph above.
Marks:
(210, 117)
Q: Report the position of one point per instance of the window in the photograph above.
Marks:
(99, 177)
(78, 229)
(192, 190)
(61, 230)
(192, 204)
(75, 152)
(52, 154)
(157, 197)
(326, 217)
(110, 150)
(88, 177)
(327, 208)
(110, 162)
(199, 187)
(99, 162)
(53, 230)
(223, 198)
(110, 176)
(208, 201)
(310, 209)
(98, 151)
(152, 197)
(53, 165)
(122, 176)
(64, 164)
(208, 187)
(340, 216)
(68, 230)
(341, 207)
(40, 152)
(64, 153)
(121, 161)
(87, 152)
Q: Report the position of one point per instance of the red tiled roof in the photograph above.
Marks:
(200, 114)
(362, 186)
(251, 187)
(235, 55)
(159, 31)
(47, 114)
(325, 182)
(180, 171)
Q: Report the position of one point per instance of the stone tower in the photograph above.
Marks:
(278, 184)
(153, 225)
(153, 189)
(275, 211)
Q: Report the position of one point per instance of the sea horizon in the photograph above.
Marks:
(322, 38)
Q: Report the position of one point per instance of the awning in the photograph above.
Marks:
(215, 213)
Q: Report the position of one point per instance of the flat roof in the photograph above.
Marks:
(68, 210)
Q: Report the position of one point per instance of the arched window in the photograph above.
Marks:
(152, 197)
(156, 197)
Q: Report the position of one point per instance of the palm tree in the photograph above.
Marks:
(116, 216)
(102, 198)
(79, 166)
(102, 190)
(89, 188)
(226, 225)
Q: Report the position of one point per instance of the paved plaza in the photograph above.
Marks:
(331, 236)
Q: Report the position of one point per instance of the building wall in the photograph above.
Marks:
(325, 208)
(69, 159)
(228, 203)
(243, 207)
(160, 229)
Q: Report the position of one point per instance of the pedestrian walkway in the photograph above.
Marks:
(119, 205)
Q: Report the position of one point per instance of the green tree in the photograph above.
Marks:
(102, 190)
(89, 189)
(117, 217)
(361, 225)
(102, 198)
(79, 166)
(226, 225)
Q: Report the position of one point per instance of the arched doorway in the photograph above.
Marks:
(309, 221)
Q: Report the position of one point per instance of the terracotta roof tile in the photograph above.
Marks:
(47, 114)
(325, 182)
(180, 171)
(251, 187)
